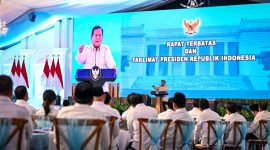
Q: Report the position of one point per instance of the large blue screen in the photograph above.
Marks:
(217, 52)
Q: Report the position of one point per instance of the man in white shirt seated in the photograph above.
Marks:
(131, 107)
(140, 111)
(232, 116)
(169, 110)
(82, 110)
(98, 104)
(263, 114)
(201, 127)
(179, 105)
(22, 98)
(195, 111)
(10, 110)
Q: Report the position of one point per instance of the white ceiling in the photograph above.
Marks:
(15, 12)
(12, 9)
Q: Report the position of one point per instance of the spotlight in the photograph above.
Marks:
(32, 17)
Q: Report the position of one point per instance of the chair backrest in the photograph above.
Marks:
(237, 128)
(186, 128)
(215, 128)
(263, 129)
(9, 127)
(143, 121)
(43, 122)
(80, 134)
(111, 120)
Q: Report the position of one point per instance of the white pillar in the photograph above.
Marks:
(57, 33)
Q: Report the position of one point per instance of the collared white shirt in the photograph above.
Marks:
(106, 109)
(166, 113)
(24, 103)
(84, 111)
(179, 114)
(165, 98)
(254, 127)
(102, 58)
(194, 112)
(232, 118)
(201, 129)
(140, 111)
(125, 113)
(109, 111)
(225, 117)
(10, 110)
(53, 111)
(90, 57)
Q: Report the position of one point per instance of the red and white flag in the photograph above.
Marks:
(46, 73)
(58, 78)
(18, 74)
(13, 74)
(24, 78)
(53, 68)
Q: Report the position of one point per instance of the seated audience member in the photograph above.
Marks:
(108, 99)
(263, 114)
(201, 130)
(98, 104)
(195, 110)
(82, 110)
(49, 108)
(131, 106)
(179, 105)
(140, 111)
(169, 111)
(22, 98)
(233, 116)
(65, 103)
(10, 110)
(239, 109)
(254, 109)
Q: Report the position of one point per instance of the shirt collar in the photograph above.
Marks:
(208, 109)
(140, 105)
(170, 110)
(81, 105)
(180, 110)
(93, 48)
(98, 103)
(22, 101)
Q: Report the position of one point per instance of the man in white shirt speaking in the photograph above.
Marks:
(22, 98)
(96, 54)
(163, 87)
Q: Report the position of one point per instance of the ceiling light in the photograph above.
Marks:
(3, 28)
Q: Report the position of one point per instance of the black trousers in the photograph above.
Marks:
(164, 106)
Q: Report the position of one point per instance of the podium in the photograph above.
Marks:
(104, 76)
(159, 95)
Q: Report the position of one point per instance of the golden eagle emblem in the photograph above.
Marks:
(191, 27)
